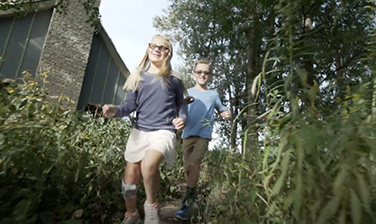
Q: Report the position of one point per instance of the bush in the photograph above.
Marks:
(310, 169)
(323, 168)
(55, 161)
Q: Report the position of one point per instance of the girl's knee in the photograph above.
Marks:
(150, 166)
(132, 175)
(132, 178)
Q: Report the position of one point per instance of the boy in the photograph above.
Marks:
(199, 127)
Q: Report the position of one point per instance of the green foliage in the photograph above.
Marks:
(323, 171)
(58, 164)
(311, 169)
(319, 160)
(315, 96)
(55, 161)
(326, 40)
(236, 195)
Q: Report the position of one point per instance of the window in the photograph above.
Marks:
(103, 80)
(22, 42)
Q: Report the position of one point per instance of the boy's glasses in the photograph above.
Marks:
(202, 72)
(162, 48)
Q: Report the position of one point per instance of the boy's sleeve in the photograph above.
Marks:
(129, 105)
(218, 104)
(181, 107)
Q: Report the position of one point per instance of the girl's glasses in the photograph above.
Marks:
(162, 48)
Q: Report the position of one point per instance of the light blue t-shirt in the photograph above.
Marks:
(200, 118)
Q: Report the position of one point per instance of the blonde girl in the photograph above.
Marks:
(156, 94)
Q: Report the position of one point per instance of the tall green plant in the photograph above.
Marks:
(318, 161)
(55, 161)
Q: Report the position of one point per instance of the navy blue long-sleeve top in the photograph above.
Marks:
(156, 104)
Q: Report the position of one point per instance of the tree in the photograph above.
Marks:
(319, 43)
(215, 30)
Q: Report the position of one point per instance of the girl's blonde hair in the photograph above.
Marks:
(165, 71)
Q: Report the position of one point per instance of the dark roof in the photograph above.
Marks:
(112, 50)
(29, 7)
(40, 5)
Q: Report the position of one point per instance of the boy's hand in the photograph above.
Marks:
(179, 123)
(189, 99)
(109, 111)
(226, 114)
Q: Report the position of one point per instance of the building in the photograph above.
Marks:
(82, 61)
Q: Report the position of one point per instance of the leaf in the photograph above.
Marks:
(71, 221)
(244, 220)
(265, 160)
(298, 195)
(310, 182)
(316, 206)
(231, 193)
(364, 192)
(221, 208)
(342, 217)
(287, 201)
(299, 150)
(311, 136)
(284, 167)
(355, 206)
(330, 209)
(2, 138)
(340, 180)
(77, 174)
(283, 121)
(46, 217)
(253, 194)
(281, 146)
(272, 208)
(21, 209)
(77, 214)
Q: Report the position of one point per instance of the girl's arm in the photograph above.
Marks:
(181, 106)
(189, 99)
(129, 105)
(222, 109)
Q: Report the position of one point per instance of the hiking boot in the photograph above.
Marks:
(151, 214)
(183, 213)
(131, 218)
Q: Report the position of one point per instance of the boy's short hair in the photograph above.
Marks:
(204, 61)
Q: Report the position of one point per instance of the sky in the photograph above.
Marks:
(129, 24)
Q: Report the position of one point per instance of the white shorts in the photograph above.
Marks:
(139, 142)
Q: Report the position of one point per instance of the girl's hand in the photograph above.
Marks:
(226, 114)
(179, 123)
(189, 99)
(109, 111)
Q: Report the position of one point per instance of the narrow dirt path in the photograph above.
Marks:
(168, 209)
(167, 213)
